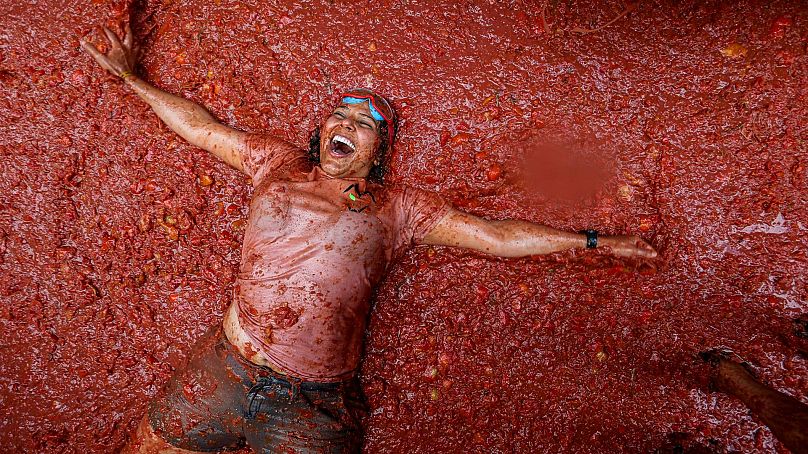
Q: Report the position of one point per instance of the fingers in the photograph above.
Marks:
(97, 55)
(648, 253)
(112, 37)
(127, 41)
(90, 49)
(133, 55)
(645, 250)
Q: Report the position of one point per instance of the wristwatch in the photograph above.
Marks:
(591, 238)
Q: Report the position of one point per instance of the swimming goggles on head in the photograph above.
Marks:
(380, 109)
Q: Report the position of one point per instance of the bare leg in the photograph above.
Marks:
(786, 416)
(146, 441)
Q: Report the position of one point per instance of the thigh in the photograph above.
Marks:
(310, 422)
(201, 409)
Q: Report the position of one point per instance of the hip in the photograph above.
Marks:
(221, 400)
(240, 340)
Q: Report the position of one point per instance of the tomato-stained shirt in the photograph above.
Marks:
(314, 248)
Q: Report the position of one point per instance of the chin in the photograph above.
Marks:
(332, 168)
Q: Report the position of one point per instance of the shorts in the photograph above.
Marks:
(220, 401)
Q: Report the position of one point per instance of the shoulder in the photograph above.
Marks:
(390, 195)
(409, 195)
(268, 156)
(267, 147)
(411, 204)
(295, 171)
(413, 212)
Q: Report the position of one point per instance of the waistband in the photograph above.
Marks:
(262, 373)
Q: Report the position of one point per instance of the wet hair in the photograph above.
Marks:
(377, 172)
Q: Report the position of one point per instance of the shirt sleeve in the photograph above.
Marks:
(264, 154)
(418, 211)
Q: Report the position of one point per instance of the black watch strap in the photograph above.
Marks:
(591, 238)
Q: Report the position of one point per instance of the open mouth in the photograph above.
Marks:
(341, 146)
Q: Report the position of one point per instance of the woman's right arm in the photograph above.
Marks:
(191, 121)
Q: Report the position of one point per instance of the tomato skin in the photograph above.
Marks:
(460, 138)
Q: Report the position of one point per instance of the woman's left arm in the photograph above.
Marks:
(514, 238)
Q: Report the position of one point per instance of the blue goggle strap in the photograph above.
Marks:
(373, 112)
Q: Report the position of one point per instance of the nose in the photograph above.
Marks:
(347, 123)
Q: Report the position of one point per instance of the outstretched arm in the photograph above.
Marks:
(191, 121)
(513, 238)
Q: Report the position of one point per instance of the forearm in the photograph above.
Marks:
(508, 238)
(191, 122)
(514, 238)
(522, 238)
(181, 115)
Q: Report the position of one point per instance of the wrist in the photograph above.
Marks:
(591, 238)
(136, 84)
(127, 75)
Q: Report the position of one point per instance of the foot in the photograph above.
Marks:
(786, 416)
(726, 373)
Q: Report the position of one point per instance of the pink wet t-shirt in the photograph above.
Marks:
(312, 255)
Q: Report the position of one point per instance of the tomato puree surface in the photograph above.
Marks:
(682, 122)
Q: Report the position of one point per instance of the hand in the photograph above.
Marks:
(121, 58)
(629, 246)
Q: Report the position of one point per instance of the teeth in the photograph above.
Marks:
(341, 139)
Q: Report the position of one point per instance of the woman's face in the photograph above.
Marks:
(349, 139)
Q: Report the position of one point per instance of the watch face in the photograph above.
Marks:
(591, 239)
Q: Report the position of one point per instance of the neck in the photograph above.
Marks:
(317, 173)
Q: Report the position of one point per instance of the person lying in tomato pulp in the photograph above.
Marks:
(279, 374)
